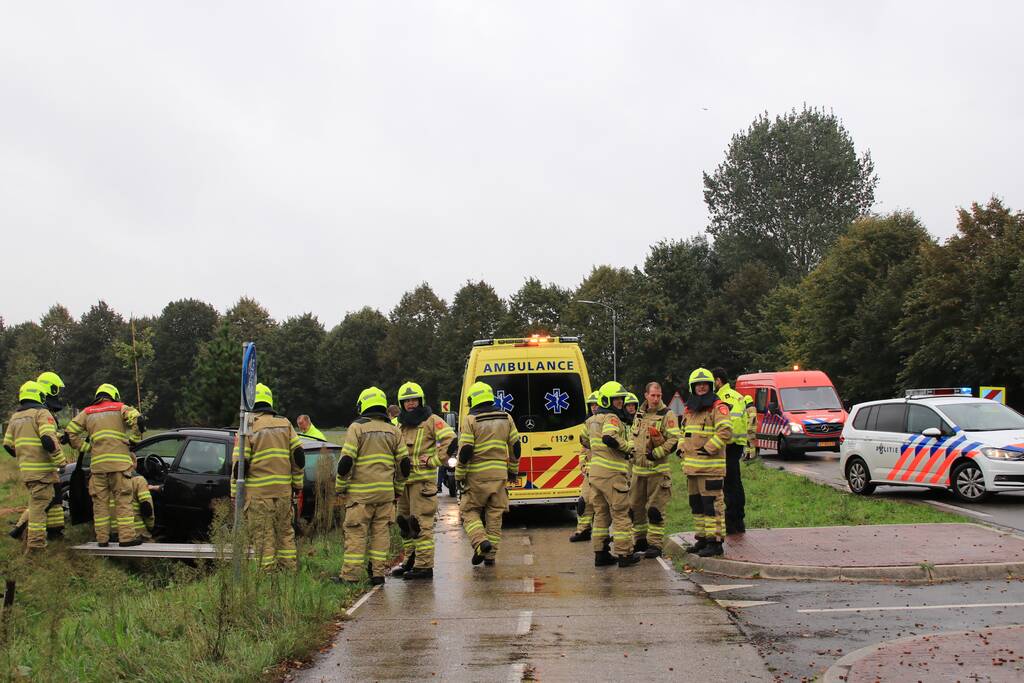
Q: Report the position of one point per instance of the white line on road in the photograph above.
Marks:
(517, 672)
(666, 565)
(911, 607)
(957, 508)
(524, 623)
(739, 604)
(716, 587)
(359, 603)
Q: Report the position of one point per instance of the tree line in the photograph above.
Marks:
(794, 269)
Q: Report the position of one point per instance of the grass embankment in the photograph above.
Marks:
(778, 499)
(81, 618)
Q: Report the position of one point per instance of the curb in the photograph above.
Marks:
(905, 574)
(840, 671)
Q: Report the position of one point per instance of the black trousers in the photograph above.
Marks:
(735, 499)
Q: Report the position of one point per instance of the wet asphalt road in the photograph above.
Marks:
(543, 613)
(1004, 509)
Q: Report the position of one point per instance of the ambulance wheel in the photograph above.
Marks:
(783, 449)
(858, 478)
(968, 482)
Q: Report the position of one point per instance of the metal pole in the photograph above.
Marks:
(615, 355)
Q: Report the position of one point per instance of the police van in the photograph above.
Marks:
(939, 438)
(542, 382)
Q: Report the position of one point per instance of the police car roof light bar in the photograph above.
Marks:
(942, 391)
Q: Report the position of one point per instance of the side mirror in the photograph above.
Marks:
(932, 432)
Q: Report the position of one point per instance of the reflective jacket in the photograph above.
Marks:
(427, 444)
(705, 434)
(493, 436)
(605, 461)
(111, 427)
(23, 434)
(377, 449)
(665, 424)
(737, 413)
(270, 468)
(313, 432)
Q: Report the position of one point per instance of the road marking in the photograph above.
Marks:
(528, 586)
(716, 587)
(739, 604)
(527, 559)
(359, 603)
(517, 672)
(665, 565)
(957, 508)
(910, 607)
(524, 623)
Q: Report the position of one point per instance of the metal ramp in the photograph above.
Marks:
(171, 551)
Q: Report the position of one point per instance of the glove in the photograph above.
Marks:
(453, 447)
(140, 422)
(64, 438)
(405, 467)
(299, 457)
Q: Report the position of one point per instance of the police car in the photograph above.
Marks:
(939, 438)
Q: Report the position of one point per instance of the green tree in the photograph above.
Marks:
(180, 330)
(211, 394)
(26, 358)
(293, 351)
(249, 321)
(851, 304)
(477, 312)
(350, 362)
(58, 325)
(536, 309)
(788, 189)
(411, 349)
(90, 355)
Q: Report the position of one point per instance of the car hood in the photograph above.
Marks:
(1010, 439)
(814, 417)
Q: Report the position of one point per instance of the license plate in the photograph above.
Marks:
(826, 443)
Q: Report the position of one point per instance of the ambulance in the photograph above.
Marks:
(542, 382)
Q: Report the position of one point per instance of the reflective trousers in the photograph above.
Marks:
(735, 498)
(649, 496)
(269, 521)
(707, 503)
(102, 487)
(419, 501)
(40, 495)
(366, 536)
(586, 520)
(481, 507)
(611, 514)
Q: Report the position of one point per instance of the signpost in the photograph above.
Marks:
(997, 394)
(244, 428)
(446, 406)
(676, 405)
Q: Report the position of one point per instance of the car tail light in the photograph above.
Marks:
(842, 438)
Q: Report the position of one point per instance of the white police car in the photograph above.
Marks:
(940, 438)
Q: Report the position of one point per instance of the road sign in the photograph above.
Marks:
(248, 376)
(446, 406)
(997, 394)
(676, 405)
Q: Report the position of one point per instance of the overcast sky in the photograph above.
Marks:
(326, 156)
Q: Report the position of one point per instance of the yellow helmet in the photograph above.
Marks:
(31, 391)
(592, 399)
(608, 391)
(371, 397)
(410, 390)
(110, 390)
(701, 375)
(748, 399)
(264, 395)
(51, 383)
(631, 398)
(480, 393)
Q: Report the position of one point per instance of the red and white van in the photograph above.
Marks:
(798, 411)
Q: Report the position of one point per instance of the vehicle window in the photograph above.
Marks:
(203, 457)
(761, 400)
(920, 418)
(861, 421)
(540, 402)
(889, 417)
(982, 417)
(772, 397)
(313, 460)
(165, 449)
(810, 398)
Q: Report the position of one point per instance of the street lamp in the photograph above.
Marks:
(615, 334)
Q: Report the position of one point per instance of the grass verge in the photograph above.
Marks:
(778, 499)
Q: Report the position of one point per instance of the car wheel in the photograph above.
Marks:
(783, 449)
(968, 483)
(858, 478)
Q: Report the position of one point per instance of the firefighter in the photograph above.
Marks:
(142, 506)
(373, 467)
(631, 406)
(489, 451)
(31, 437)
(706, 429)
(427, 439)
(751, 451)
(274, 462)
(735, 500)
(585, 504)
(655, 434)
(610, 453)
(112, 431)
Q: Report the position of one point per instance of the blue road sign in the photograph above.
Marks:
(249, 375)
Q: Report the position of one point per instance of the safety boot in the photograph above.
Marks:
(630, 560)
(18, 531)
(640, 545)
(132, 543)
(480, 551)
(652, 552)
(406, 566)
(580, 536)
(420, 573)
(603, 558)
(698, 546)
(712, 549)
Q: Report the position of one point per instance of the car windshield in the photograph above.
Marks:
(540, 402)
(982, 417)
(313, 458)
(810, 398)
